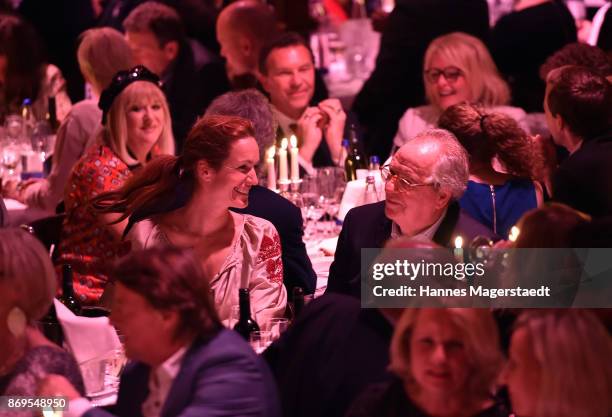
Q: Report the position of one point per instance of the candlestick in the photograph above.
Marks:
(271, 168)
(282, 156)
(295, 168)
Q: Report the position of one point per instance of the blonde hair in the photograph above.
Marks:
(471, 56)
(26, 268)
(574, 352)
(115, 130)
(102, 53)
(481, 341)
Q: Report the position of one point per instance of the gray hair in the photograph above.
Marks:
(249, 104)
(451, 170)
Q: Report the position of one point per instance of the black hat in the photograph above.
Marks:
(120, 81)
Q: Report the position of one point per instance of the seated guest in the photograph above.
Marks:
(287, 74)
(330, 353)
(184, 362)
(157, 37)
(522, 40)
(27, 285)
(25, 75)
(243, 27)
(185, 201)
(580, 54)
(446, 362)
(495, 199)
(396, 83)
(559, 365)
(286, 218)
(578, 107)
(425, 178)
(457, 67)
(551, 226)
(136, 123)
(101, 54)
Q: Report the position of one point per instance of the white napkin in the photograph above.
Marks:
(13, 204)
(87, 337)
(354, 193)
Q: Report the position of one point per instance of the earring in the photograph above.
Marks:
(16, 321)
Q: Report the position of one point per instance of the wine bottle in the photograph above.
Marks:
(355, 159)
(245, 324)
(50, 326)
(68, 298)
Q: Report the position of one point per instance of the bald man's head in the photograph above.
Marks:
(242, 28)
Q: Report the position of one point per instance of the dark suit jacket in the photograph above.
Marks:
(368, 227)
(584, 179)
(397, 81)
(329, 354)
(287, 219)
(219, 377)
(184, 91)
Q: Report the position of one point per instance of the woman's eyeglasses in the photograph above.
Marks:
(451, 74)
(401, 184)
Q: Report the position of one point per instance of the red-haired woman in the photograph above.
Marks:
(184, 201)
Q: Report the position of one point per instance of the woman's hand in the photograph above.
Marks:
(55, 386)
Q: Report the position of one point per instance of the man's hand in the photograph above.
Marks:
(57, 385)
(335, 128)
(310, 133)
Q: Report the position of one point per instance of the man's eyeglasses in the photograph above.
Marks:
(401, 184)
(451, 74)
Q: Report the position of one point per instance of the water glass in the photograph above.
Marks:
(260, 340)
(278, 326)
(234, 316)
(93, 372)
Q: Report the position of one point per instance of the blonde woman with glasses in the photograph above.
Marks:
(457, 67)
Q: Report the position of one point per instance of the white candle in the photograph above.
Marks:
(271, 168)
(295, 168)
(282, 156)
(459, 249)
(514, 233)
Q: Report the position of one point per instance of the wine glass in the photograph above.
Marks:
(9, 161)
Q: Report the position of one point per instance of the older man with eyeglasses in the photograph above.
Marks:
(423, 182)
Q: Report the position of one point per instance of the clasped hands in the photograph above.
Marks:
(323, 121)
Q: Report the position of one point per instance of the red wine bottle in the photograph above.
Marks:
(245, 324)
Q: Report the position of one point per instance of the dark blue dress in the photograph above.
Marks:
(500, 206)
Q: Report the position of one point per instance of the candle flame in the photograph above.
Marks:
(458, 242)
(284, 143)
(271, 152)
(514, 233)
(293, 141)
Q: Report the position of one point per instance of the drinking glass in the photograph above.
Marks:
(260, 340)
(10, 157)
(278, 326)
